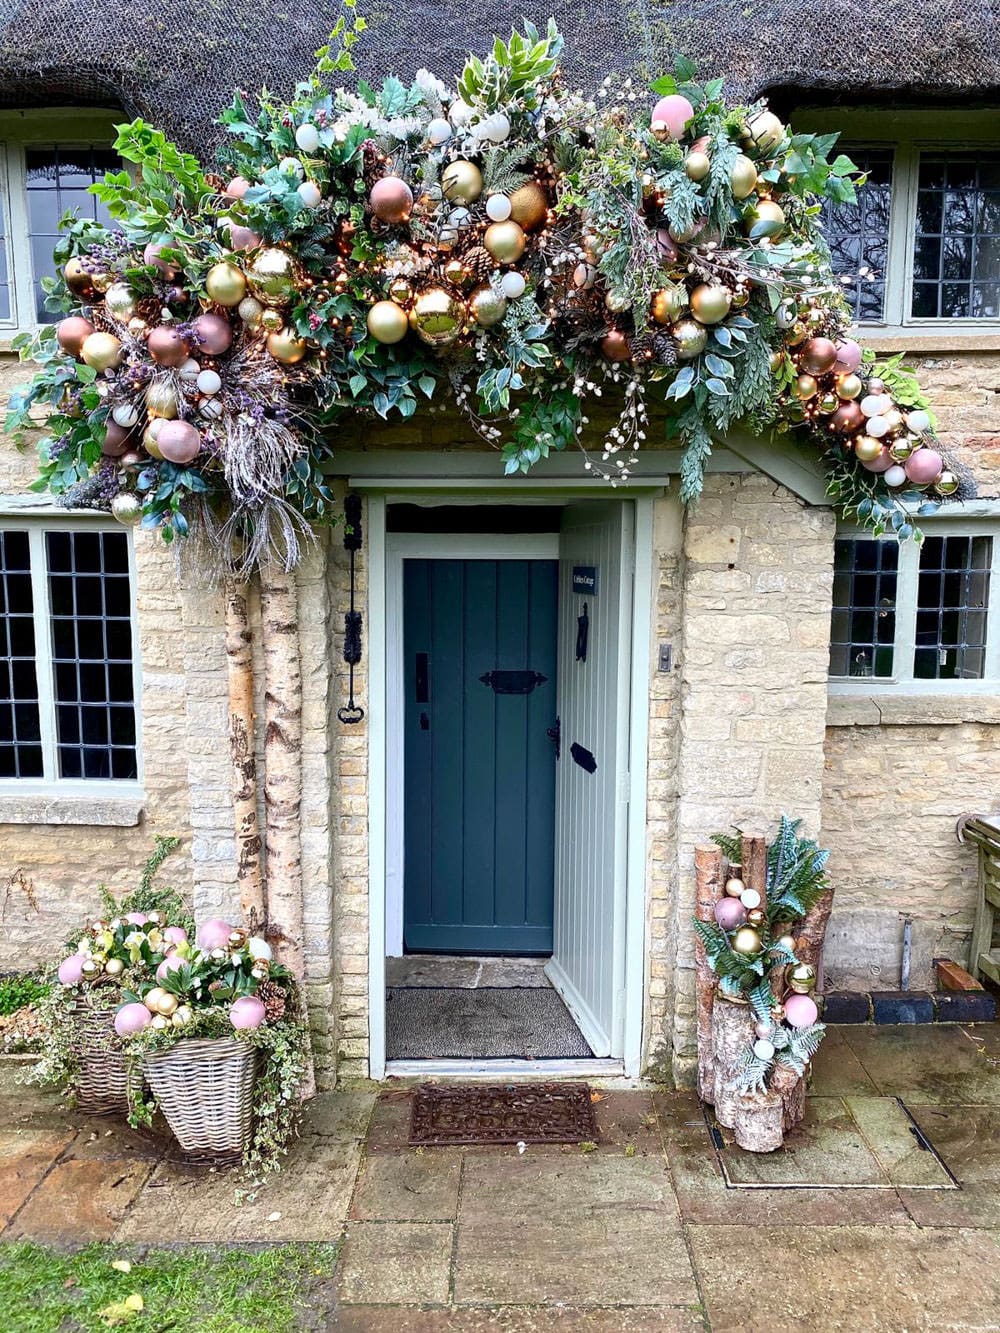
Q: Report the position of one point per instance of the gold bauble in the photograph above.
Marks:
(669, 304)
(802, 978)
(226, 285)
(387, 322)
(734, 886)
(149, 437)
(78, 280)
(756, 917)
(272, 277)
(948, 483)
(746, 940)
(272, 320)
(697, 166)
(766, 210)
(690, 338)
(529, 206)
(101, 281)
(901, 449)
(806, 387)
(775, 361)
(867, 449)
(617, 302)
(828, 402)
(437, 316)
(764, 131)
(119, 301)
(250, 311)
(462, 182)
(287, 347)
(487, 307)
(710, 302)
(849, 386)
(401, 291)
(456, 273)
(127, 509)
(505, 241)
(797, 334)
(161, 400)
(101, 351)
(742, 177)
(787, 942)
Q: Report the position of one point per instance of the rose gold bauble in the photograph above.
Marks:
(178, 442)
(387, 322)
(818, 356)
(847, 418)
(72, 332)
(77, 279)
(391, 200)
(102, 351)
(117, 439)
(287, 347)
(152, 255)
(166, 346)
(505, 241)
(615, 346)
(924, 467)
(529, 206)
(669, 304)
(214, 334)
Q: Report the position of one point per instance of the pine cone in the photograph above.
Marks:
(274, 998)
(372, 167)
(479, 262)
(664, 349)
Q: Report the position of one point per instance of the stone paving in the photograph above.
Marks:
(857, 1225)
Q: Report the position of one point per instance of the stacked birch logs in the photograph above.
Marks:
(759, 1120)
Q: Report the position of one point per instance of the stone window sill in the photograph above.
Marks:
(911, 710)
(930, 341)
(50, 808)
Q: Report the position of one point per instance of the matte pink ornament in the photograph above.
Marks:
(178, 442)
(214, 934)
(117, 440)
(243, 238)
(674, 112)
(172, 963)
(881, 464)
(175, 934)
(166, 346)
(247, 1012)
(800, 1010)
(132, 1018)
(71, 970)
(136, 918)
(924, 466)
(730, 913)
(214, 334)
(848, 357)
(152, 256)
(237, 187)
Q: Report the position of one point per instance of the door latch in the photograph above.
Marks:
(555, 735)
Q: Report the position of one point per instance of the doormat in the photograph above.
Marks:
(507, 1113)
(488, 1023)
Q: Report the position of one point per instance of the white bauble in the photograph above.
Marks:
(497, 127)
(460, 113)
(209, 381)
(919, 422)
(125, 415)
(498, 208)
(763, 1049)
(307, 137)
(875, 404)
(438, 131)
(878, 426)
(189, 370)
(211, 408)
(310, 194)
(512, 284)
(895, 475)
(750, 899)
(259, 948)
(291, 166)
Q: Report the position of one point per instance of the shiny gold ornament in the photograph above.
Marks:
(138, 326)
(746, 940)
(806, 387)
(764, 131)
(387, 322)
(127, 509)
(849, 386)
(119, 301)
(272, 277)
(802, 978)
(250, 311)
(710, 302)
(616, 302)
(438, 316)
(775, 361)
(529, 206)
(901, 449)
(756, 917)
(226, 285)
(867, 449)
(829, 402)
(401, 291)
(161, 400)
(149, 437)
(690, 338)
(742, 177)
(101, 281)
(287, 347)
(505, 241)
(797, 334)
(272, 320)
(697, 166)
(462, 182)
(78, 280)
(947, 483)
(766, 210)
(487, 307)
(669, 304)
(456, 273)
(101, 351)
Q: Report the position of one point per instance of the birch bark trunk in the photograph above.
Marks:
(239, 663)
(708, 889)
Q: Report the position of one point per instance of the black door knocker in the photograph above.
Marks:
(582, 633)
(352, 712)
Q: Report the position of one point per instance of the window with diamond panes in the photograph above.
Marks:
(858, 235)
(90, 598)
(952, 607)
(56, 180)
(956, 262)
(20, 727)
(863, 625)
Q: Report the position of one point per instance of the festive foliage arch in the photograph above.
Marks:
(511, 243)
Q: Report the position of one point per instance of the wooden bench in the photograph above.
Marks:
(984, 959)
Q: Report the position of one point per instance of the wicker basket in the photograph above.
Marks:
(204, 1087)
(102, 1078)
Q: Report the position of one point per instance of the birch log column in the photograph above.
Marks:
(243, 755)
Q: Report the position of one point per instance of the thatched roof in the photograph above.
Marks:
(177, 63)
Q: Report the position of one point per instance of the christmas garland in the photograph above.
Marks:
(512, 244)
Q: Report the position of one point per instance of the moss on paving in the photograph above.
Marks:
(189, 1290)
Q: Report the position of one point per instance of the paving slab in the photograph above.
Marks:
(967, 1137)
(410, 1186)
(850, 1279)
(926, 1064)
(338, 1115)
(515, 1319)
(306, 1200)
(97, 1138)
(25, 1156)
(417, 970)
(703, 1196)
(626, 1121)
(827, 1148)
(581, 1229)
(837, 1071)
(390, 1263)
(80, 1201)
(889, 1132)
(389, 1127)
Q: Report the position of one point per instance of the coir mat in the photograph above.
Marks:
(504, 1113)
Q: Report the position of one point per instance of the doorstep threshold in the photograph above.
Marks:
(494, 1069)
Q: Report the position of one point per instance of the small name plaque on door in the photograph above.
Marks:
(585, 580)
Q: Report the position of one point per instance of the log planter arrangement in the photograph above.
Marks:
(760, 918)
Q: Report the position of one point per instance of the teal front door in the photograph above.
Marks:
(479, 638)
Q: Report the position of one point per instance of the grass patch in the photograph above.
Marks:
(210, 1290)
(20, 989)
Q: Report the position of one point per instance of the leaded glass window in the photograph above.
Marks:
(952, 602)
(863, 628)
(956, 262)
(20, 732)
(858, 235)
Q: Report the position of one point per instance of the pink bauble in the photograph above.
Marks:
(391, 200)
(175, 934)
(178, 442)
(675, 112)
(237, 187)
(924, 466)
(71, 970)
(166, 346)
(667, 246)
(214, 334)
(117, 440)
(730, 913)
(242, 238)
(800, 1010)
(136, 918)
(151, 255)
(214, 934)
(247, 1012)
(847, 418)
(881, 464)
(848, 357)
(132, 1018)
(172, 963)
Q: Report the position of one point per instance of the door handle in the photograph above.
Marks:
(425, 722)
(422, 673)
(555, 735)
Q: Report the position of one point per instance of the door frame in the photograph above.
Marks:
(386, 553)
